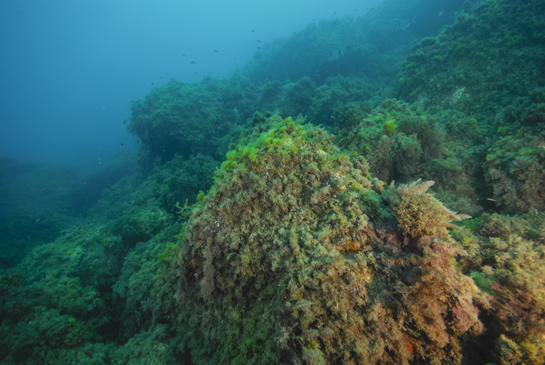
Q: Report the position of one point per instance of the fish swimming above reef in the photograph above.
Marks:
(403, 24)
(334, 55)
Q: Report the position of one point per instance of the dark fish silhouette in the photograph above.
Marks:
(216, 50)
(259, 41)
(259, 47)
(334, 55)
(2, 261)
(405, 23)
(153, 83)
(192, 62)
(125, 121)
(184, 55)
(122, 144)
(252, 30)
(36, 220)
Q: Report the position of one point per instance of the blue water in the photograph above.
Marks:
(69, 69)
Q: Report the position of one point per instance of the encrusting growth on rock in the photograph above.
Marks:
(419, 213)
(293, 256)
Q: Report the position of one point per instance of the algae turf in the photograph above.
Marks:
(295, 255)
(472, 66)
(515, 168)
(34, 205)
(187, 119)
(301, 252)
(369, 47)
(442, 146)
(70, 301)
(506, 259)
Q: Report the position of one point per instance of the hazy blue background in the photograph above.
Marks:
(68, 69)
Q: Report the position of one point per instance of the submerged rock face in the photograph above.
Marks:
(296, 254)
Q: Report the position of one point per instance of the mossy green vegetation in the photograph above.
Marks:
(187, 119)
(506, 261)
(267, 240)
(400, 141)
(471, 65)
(286, 261)
(389, 127)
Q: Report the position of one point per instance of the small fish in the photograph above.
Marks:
(160, 77)
(492, 200)
(137, 141)
(5, 263)
(216, 50)
(125, 121)
(405, 23)
(192, 62)
(153, 83)
(516, 162)
(252, 30)
(36, 220)
(259, 47)
(334, 55)
(122, 144)
(441, 13)
(259, 41)
(334, 12)
(184, 55)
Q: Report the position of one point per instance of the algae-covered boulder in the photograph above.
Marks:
(188, 119)
(402, 142)
(295, 256)
(506, 258)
